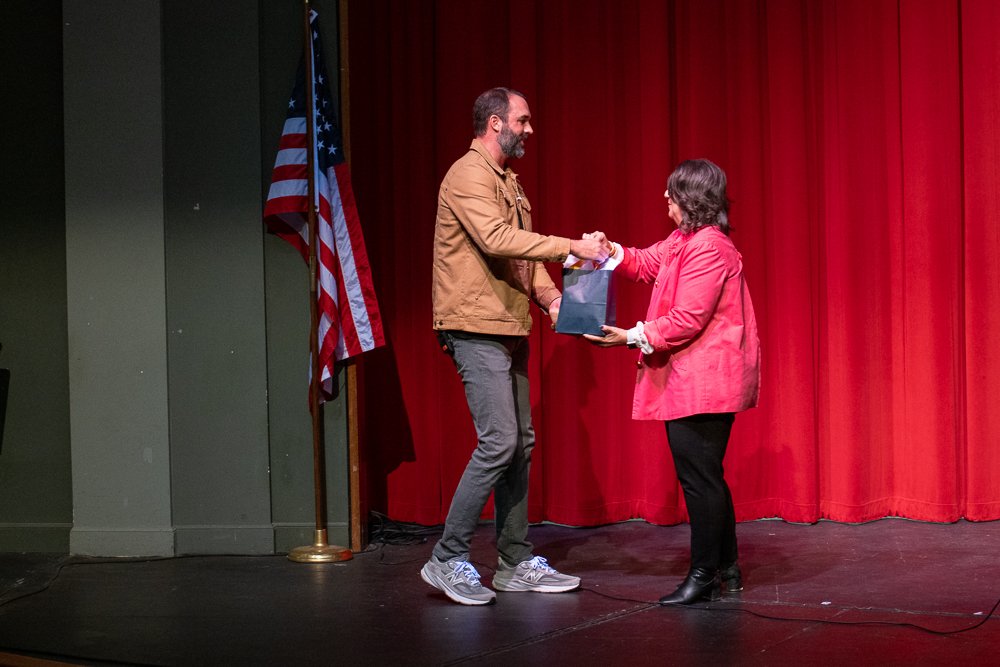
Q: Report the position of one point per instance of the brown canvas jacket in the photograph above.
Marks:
(487, 262)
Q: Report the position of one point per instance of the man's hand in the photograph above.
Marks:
(613, 336)
(600, 237)
(554, 310)
(589, 248)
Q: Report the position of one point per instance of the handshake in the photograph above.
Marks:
(594, 246)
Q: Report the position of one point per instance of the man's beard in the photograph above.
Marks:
(511, 144)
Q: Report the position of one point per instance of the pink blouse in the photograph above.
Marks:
(700, 324)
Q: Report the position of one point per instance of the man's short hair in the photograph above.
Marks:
(494, 102)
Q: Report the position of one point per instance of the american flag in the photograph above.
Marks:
(349, 320)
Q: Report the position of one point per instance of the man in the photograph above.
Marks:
(487, 267)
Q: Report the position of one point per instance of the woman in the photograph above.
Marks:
(700, 361)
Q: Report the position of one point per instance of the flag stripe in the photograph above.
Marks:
(293, 187)
(288, 156)
(352, 282)
(290, 172)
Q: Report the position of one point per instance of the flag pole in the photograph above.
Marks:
(319, 551)
(358, 532)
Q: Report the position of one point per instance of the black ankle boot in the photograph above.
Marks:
(700, 584)
(732, 578)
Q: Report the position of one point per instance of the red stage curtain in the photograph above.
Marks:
(862, 146)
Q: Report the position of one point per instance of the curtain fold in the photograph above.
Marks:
(979, 462)
(860, 141)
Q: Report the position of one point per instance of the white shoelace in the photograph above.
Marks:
(540, 563)
(464, 570)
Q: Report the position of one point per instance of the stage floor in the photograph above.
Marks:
(890, 592)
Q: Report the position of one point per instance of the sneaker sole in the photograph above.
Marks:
(434, 581)
(527, 588)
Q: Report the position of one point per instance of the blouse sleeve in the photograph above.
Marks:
(700, 279)
(642, 265)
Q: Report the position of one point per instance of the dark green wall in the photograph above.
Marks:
(158, 338)
(35, 482)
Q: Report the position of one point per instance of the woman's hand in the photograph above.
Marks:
(613, 336)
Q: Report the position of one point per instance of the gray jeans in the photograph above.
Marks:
(494, 370)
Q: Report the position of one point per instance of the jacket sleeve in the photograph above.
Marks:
(543, 290)
(700, 280)
(473, 197)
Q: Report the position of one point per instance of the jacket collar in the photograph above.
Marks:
(480, 148)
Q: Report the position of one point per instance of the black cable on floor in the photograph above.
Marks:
(901, 624)
(384, 530)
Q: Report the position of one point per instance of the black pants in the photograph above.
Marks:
(698, 444)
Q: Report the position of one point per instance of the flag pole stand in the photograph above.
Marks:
(320, 551)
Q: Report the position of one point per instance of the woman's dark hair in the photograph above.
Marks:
(494, 102)
(699, 188)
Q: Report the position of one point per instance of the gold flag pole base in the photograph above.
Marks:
(320, 551)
